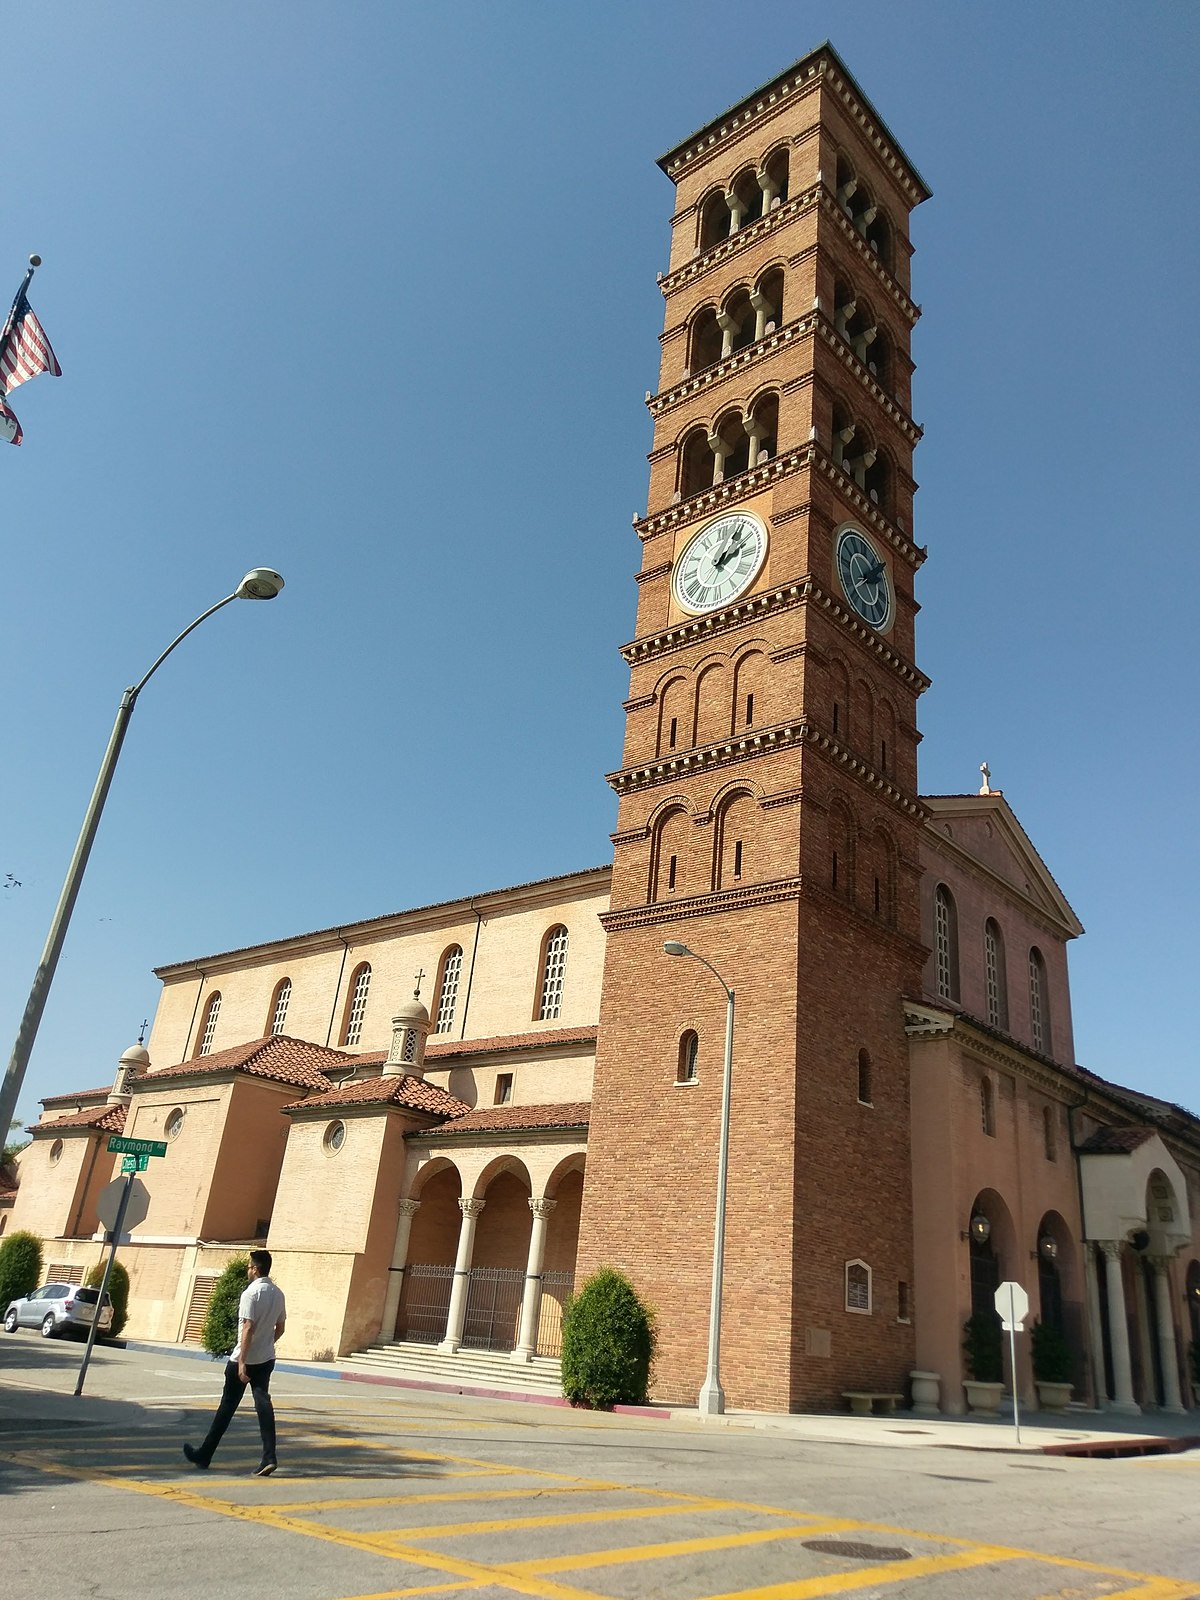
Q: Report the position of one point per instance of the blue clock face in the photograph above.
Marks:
(864, 579)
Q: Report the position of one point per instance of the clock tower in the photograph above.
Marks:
(768, 815)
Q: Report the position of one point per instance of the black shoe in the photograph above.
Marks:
(195, 1457)
(265, 1471)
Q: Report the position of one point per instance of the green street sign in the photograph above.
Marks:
(118, 1146)
(134, 1163)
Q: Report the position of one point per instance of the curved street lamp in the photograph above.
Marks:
(711, 1402)
(260, 583)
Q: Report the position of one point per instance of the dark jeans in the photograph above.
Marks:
(259, 1374)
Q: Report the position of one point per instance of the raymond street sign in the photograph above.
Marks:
(134, 1163)
(117, 1146)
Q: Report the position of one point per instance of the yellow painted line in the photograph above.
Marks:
(1157, 1589)
(426, 1588)
(866, 1577)
(370, 1544)
(353, 1501)
(563, 1519)
(680, 1547)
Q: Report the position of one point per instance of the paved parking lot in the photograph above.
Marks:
(387, 1493)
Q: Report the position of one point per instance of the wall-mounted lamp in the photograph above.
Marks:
(979, 1231)
(1048, 1247)
(1139, 1239)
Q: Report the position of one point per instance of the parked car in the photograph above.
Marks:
(58, 1308)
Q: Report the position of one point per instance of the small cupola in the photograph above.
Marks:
(410, 1029)
(132, 1064)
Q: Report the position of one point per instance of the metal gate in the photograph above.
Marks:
(493, 1308)
(556, 1290)
(424, 1303)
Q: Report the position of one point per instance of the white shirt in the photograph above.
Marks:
(262, 1304)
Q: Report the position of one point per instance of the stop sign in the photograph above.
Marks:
(1013, 1305)
(108, 1203)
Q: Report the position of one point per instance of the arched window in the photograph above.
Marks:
(841, 852)
(1039, 1003)
(706, 341)
(732, 448)
(279, 1006)
(448, 989)
(737, 323)
(1049, 1134)
(714, 220)
(714, 704)
(669, 855)
(689, 1049)
(994, 974)
(858, 1287)
(773, 179)
(734, 837)
(762, 429)
(987, 1107)
(750, 682)
(211, 1012)
(697, 464)
(356, 1006)
(554, 971)
(767, 301)
(747, 194)
(864, 1078)
(945, 943)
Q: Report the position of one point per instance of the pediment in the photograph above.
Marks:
(984, 829)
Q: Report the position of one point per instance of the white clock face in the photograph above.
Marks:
(721, 562)
(864, 578)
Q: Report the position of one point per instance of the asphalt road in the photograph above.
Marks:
(388, 1492)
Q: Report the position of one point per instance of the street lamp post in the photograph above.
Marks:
(711, 1402)
(258, 584)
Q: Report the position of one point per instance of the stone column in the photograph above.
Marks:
(735, 210)
(769, 190)
(720, 450)
(728, 329)
(1118, 1329)
(760, 305)
(531, 1302)
(456, 1316)
(757, 434)
(391, 1300)
(1095, 1327)
(1167, 1353)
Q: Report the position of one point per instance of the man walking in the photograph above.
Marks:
(261, 1318)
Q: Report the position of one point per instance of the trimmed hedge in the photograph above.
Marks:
(118, 1293)
(219, 1334)
(607, 1343)
(20, 1267)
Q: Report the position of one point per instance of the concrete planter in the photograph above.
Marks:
(983, 1398)
(1053, 1396)
(926, 1394)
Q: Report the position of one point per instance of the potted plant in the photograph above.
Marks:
(1053, 1365)
(983, 1349)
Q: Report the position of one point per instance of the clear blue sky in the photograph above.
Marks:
(367, 293)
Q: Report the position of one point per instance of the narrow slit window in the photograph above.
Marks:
(448, 989)
(356, 1010)
(210, 1024)
(279, 1010)
(737, 859)
(554, 972)
(749, 710)
(674, 734)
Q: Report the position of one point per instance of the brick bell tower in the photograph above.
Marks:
(768, 815)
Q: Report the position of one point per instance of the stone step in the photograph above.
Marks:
(467, 1369)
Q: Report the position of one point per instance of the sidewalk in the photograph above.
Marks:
(1078, 1432)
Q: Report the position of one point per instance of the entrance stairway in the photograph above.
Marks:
(468, 1372)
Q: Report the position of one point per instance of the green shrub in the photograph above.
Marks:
(983, 1347)
(118, 1293)
(1053, 1361)
(219, 1334)
(20, 1267)
(607, 1343)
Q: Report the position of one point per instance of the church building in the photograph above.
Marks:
(442, 1121)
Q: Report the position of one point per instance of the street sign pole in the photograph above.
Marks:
(112, 1256)
(1012, 1305)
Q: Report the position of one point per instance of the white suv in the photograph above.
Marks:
(58, 1308)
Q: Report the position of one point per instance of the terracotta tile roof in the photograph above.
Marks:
(80, 1094)
(279, 1058)
(1115, 1141)
(412, 1093)
(515, 1119)
(110, 1119)
(547, 1039)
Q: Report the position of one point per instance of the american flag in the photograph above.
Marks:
(10, 428)
(24, 348)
